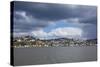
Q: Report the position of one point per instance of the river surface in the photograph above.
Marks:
(51, 55)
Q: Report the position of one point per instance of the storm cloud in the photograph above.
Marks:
(32, 16)
(47, 11)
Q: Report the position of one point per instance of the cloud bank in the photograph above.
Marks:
(66, 32)
(32, 18)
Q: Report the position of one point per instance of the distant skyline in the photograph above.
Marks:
(45, 20)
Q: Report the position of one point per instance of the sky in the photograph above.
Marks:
(48, 21)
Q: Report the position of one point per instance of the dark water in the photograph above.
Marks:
(30, 56)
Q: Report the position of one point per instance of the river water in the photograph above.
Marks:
(51, 55)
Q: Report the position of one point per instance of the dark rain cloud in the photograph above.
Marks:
(46, 11)
(42, 13)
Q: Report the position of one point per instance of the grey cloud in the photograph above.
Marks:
(47, 11)
(90, 31)
(24, 26)
(91, 20)
(42, 13)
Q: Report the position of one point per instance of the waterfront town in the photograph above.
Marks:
(29, 41)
